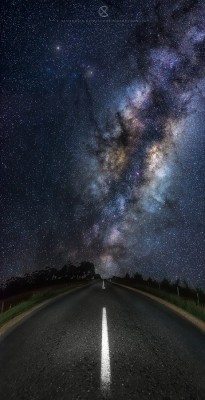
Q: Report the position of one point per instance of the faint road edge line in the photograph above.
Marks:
(16, 321)
(195, 321)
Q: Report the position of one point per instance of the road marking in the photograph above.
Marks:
(103, 285)
(105, 356)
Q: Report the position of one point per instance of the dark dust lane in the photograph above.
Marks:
(98, 343)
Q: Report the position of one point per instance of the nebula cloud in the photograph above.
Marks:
(103, 139)
(136, 158)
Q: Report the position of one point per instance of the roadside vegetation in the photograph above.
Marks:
(34, 300)
(19, 294)
(178, 293)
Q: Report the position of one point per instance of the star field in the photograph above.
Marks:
(102, 139)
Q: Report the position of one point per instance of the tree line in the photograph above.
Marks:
(178, 287)
(48, 276)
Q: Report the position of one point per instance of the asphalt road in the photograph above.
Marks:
(96, 343)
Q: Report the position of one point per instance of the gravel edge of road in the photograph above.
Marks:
(16, 321)
(195, 321)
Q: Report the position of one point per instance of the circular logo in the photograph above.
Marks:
(103, 11)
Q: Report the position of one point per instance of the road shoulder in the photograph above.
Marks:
(16, 321)
(195, 321)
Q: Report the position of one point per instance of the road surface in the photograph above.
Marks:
(101, 343)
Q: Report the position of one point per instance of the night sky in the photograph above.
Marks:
(102, 137)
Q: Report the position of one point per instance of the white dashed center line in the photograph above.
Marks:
(105, 356)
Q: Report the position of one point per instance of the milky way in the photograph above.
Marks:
(103, 139)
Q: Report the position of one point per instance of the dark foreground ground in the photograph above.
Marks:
(56, 353)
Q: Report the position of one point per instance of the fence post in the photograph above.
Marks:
(197, 297)
(2, 306)
(178, 291)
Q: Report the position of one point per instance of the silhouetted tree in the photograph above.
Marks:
(47, 276)
(86, 270)
(69, 271)
(165, 284)
(97, 276)
(138, 278)
(127, 276)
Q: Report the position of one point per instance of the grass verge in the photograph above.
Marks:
(33, 301)
(190, 306)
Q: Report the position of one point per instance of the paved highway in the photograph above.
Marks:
(99, 343)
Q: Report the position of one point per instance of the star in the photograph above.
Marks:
(103, 126)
